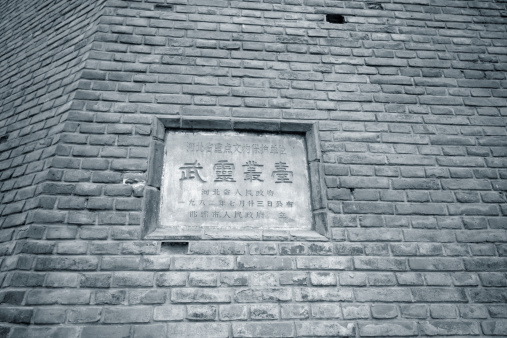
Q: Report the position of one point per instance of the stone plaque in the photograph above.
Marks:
(235, 180)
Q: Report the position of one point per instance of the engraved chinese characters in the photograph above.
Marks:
(251, 172)
(282, 175)
(235, 180)
(190, 171)
(224, 171)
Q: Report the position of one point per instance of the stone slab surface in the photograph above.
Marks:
(235, 180)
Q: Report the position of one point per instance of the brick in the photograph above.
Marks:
(364, 182)
(322, 278)
(263, 312)
(33, 247)
(12, 297)
(263, 279)
(215, 330)
(81, 218)
(58, 188)
(438, 279)
(486, 264)
(420, 209)
(497, 311)
(127, 204)
(441, 327)
(486, 236)
(100, 203)
(290, 249)
(169, 313)
(320, 249)
(118, 190)
(26, 279)
(494, 327)
(171, 279)
(442, 311)
(322, 294)
(145, 331)
(367, 208)
(33, 332)
(203, 248)
(493, 279)
(264, 263)
(93, 233)
(203, 279)
(120, 263)
(388, 264)
(66, 263)
(16, 315)
(114, 297)
(192, 295)
(95, 280)
(289, 278)
(366, 235)
(324, 310)
(88, 189)
(473, 311)
(129, 165)
(351, 311)
(435, 264)
(362, 159)
(64, 297)
(383, 295)
(84, 315)
(253, 329)
(384, 311)
(71, 203)
(133, 279)
(325, 328)
(429, 236)
(488, 295)
(134, 314)
(49, 316)
(323, 263)
(125, 233)
(415, 184)
(269, 249)
(439, 295)
(202, 263)
(106, 331)
(62, 279)
(233, 312)
(262, 295)
(409, 278)
(399, 328)
(417, 311)
(295, 311)
(473, 209)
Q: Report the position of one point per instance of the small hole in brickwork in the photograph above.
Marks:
(164, 8)
(174, 248)
(335, 18)
(4, 138)
(374, 5)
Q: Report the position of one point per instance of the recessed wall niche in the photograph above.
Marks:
(251, 178)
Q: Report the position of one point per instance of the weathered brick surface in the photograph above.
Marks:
(409, 100)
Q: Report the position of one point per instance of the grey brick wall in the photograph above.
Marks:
(410, 100)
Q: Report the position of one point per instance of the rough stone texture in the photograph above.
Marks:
(409, 99)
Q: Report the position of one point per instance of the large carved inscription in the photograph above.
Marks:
(235, 180)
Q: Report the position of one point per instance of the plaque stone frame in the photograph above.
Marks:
(152, 229)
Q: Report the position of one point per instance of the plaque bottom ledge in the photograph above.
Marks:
(244, 235)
